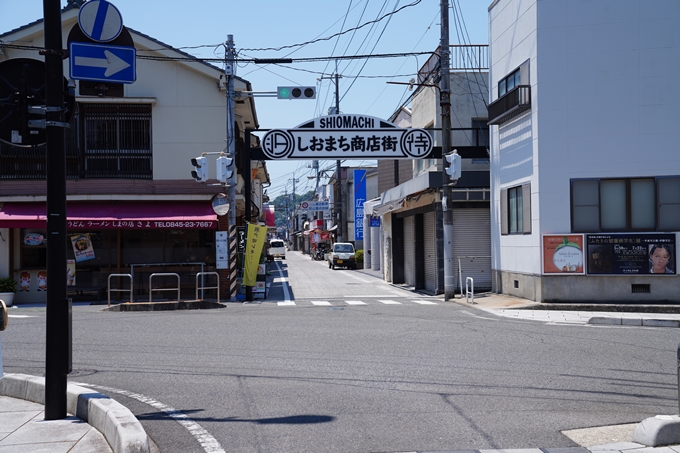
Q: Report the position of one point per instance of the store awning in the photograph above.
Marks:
(114, 215)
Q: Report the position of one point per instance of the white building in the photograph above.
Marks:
(585, 161)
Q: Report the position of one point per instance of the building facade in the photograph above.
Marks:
(132, 205)
(409, 235)
(584, 150)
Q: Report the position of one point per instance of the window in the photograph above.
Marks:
(116, 140)
(516, 210)
(625, 204)
(509, 82)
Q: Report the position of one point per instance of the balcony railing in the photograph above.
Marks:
(510, 105)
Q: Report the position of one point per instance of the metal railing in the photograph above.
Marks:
(468, 291)
(510, 104)
(202, 288)
(109, 289)
(163, 274)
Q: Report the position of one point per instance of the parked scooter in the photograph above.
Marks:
(320, 253)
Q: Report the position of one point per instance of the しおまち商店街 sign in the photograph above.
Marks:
(347, 136)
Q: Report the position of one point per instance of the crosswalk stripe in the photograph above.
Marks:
(285, 303)
(425, 302)
(320, 302)
(389, 302)
(354, 302)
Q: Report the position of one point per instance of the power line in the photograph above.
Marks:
(327, 38)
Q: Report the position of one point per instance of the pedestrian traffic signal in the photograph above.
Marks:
(296, 92)
(224, 169)
(200, 171)
(453, 170)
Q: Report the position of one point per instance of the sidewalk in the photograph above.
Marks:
(96, 423)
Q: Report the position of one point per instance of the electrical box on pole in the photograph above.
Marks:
(296, 92)
(200, 171)
(453, 169)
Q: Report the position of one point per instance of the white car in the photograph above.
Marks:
(342, 255)
(277, 249)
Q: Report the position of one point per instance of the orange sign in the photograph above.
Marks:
(563, 254)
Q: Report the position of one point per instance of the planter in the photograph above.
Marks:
(8, 298)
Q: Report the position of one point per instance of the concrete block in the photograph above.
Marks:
(131, 438)
(14, 385)
(77, 400)
(118, 425)
(35, 389)
(605, 320)
(658, 431)
(660, 323)
(631, 321)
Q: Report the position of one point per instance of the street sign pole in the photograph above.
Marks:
(58, 310)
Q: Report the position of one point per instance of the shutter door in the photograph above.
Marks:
(409, 251)
(430, 243)
(472, 239)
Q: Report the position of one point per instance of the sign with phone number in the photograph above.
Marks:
(139, 225)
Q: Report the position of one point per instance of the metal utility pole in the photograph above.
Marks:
(58, 328)
(229, 73)
(445, 105)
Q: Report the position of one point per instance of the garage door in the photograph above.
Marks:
(409, 251)
(472, 246)
(430, 244)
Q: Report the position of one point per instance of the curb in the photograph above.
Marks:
(119, 426)
(657, 431)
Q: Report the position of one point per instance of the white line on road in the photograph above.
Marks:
(285, 303)
(320, 302)
(354, 302)
(284, 280)
(21, 316)
(389, 302)
(424, 302)
(204, 438)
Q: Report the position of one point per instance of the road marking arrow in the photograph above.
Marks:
(112, 63)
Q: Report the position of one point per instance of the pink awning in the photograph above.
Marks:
(177, 215)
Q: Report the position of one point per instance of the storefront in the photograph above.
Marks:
(106, 238)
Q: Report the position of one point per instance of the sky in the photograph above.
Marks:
(302, 29)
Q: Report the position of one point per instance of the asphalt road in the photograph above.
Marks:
(392, 374)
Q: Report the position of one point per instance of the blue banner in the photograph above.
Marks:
(359, 199)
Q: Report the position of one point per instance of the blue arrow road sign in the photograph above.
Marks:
(102, 63)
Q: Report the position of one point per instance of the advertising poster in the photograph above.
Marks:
(563, 254)
(82, 247)
(631, 254)
(70, 272)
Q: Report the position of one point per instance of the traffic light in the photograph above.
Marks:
(296, 92)
(200, 171)
(453, 170)
(224, 170)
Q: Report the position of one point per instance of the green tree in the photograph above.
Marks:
(284, 205)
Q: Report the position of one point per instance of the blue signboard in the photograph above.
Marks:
(102, 63)
(359, 199)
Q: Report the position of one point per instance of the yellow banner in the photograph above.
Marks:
(255, 237)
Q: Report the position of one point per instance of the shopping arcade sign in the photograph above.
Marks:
(345, 137)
